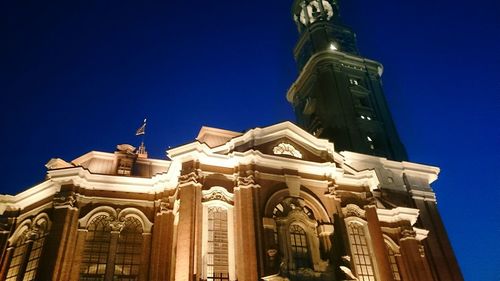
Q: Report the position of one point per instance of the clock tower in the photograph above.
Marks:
(338, 94)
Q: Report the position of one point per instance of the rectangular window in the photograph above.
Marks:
(34, 258)
(217, 254)
(393, 263)
(16, 262)
(298, 243)
(360, 253)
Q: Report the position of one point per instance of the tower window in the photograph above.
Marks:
(354, 81)
(125, 167)
(370, 142)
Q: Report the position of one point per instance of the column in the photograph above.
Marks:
(377, 240)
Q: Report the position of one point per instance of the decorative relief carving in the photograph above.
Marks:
(116, 223)
(193, 177)
(33, 232)
(245, 181)
(165, 206)
(408, 233)
(421, 249)
(287, 149)
(352, 210)
(65, 200)
(217, 193)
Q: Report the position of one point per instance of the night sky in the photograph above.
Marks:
(78, 76)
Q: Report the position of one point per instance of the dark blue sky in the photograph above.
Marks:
(81, 75)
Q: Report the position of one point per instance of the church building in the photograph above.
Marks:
(332, 197)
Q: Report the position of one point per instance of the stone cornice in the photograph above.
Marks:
(398, 214)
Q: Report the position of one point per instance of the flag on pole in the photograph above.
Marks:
(142, 129)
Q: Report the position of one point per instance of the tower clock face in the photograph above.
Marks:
(314, 12)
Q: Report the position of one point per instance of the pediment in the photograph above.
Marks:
(281, 140)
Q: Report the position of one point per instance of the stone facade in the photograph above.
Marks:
(274, 203)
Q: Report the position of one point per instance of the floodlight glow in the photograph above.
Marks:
(333, 47)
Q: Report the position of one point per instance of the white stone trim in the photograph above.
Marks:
(398, 214)
(421, 234)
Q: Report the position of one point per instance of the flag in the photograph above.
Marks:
(142, 129)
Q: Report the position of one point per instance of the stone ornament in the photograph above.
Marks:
(352, 210)
(217, 193)
(287, 149)
(193, 177)
(65, 200)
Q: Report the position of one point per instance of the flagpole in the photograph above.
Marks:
(141, 151)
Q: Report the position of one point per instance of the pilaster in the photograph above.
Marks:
(246, 247)
(440, 253)
(190, 203)
(410, 252)
(78, 254)
(379, 248)
(58, 250)
(162, 244)
(5, 262)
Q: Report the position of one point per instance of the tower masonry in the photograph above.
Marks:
(338, 94)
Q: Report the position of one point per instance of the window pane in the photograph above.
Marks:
(298, 243)
(95, 253)
(393, 263)
(34, 258)
(217, 255)
(128, 252)
(360, 252)
(17, 259)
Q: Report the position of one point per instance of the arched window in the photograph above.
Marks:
(128, 251)
(217, 252)
(95, 254)
(393, 263)
(298, 244)
(28, 249)
(100, 255)
(360, 252)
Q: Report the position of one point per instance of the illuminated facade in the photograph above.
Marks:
(273, 203)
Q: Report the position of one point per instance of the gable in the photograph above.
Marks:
(288, 148)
